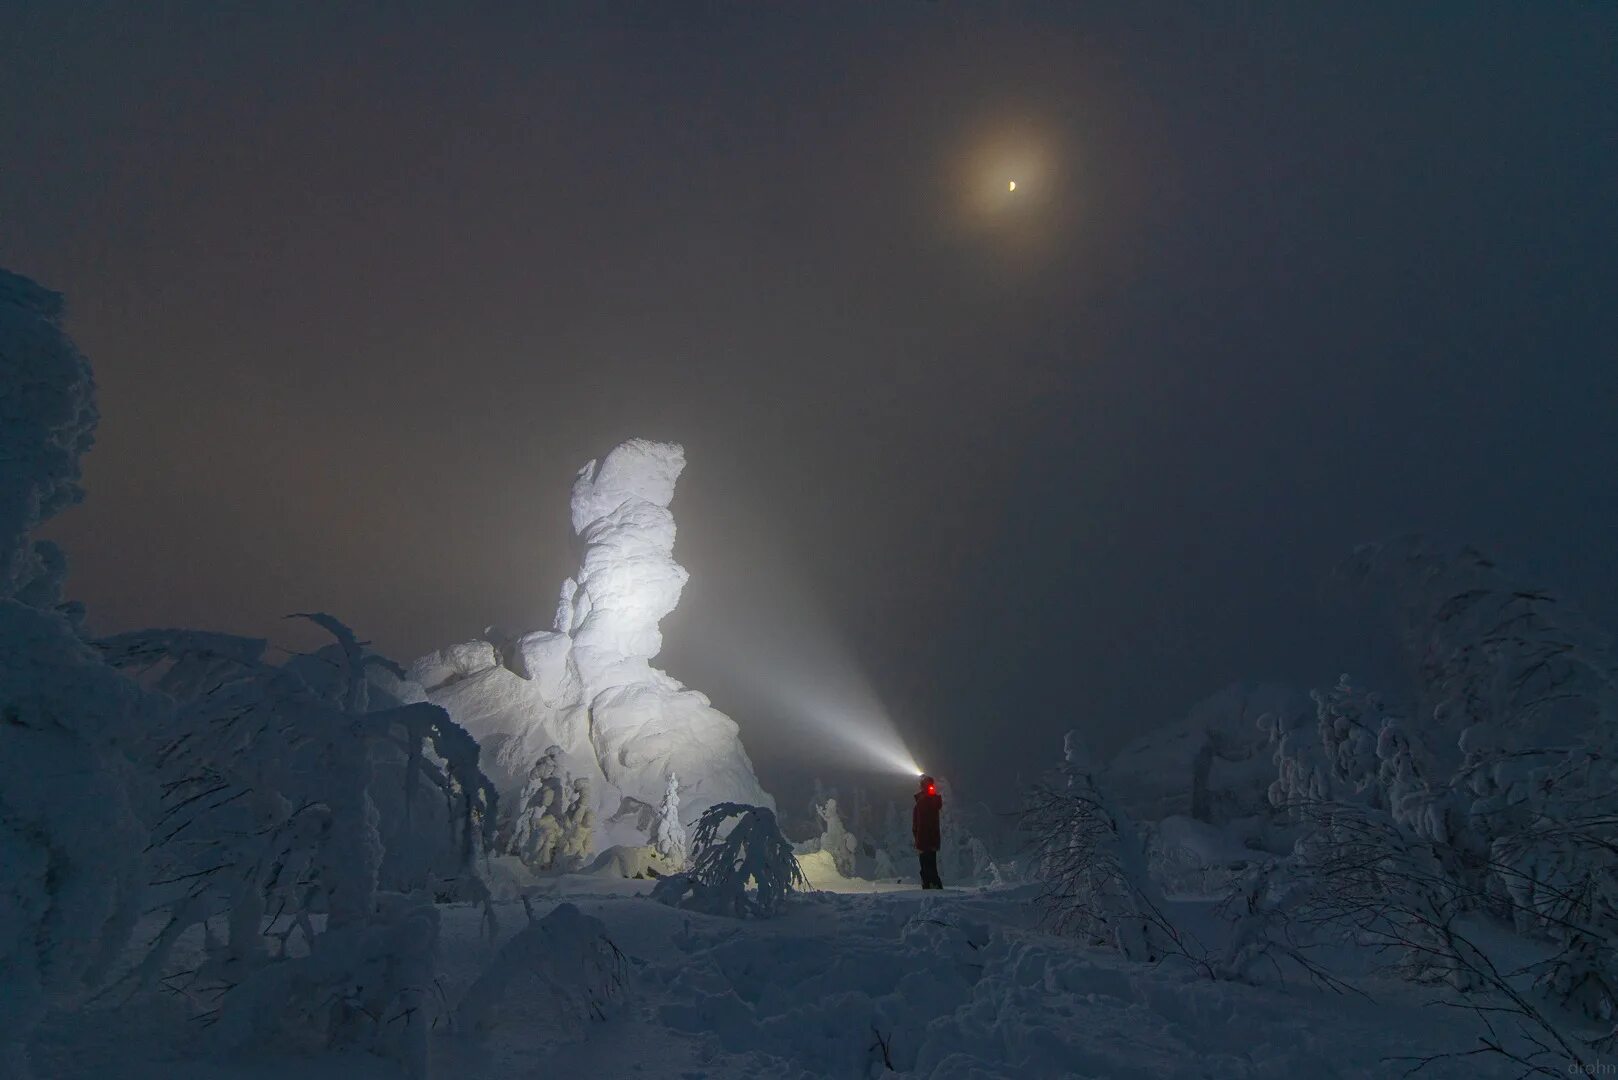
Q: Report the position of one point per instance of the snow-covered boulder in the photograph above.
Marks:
(624, 861)
(587, 685)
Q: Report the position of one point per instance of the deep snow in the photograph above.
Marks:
(959, 984)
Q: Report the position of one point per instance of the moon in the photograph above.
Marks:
(1011, 185)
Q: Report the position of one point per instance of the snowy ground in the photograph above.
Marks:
(959, 984)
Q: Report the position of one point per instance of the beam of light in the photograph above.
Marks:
(803, 697)
(871, 739)
(819, 692)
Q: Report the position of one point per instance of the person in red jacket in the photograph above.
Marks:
(924, 829)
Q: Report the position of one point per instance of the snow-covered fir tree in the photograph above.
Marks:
(668, 833)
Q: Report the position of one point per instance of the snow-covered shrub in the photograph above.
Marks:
(1491, 651)
(1266, 938)
(749, 871)
(1093, 867)
(270, 816)
(838, 851)
(1360, 876)
(73, 808)
(567, 953)
(363, 983)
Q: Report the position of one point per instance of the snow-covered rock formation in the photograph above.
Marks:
(1199, 789)
(587, 684)
(1213, 766)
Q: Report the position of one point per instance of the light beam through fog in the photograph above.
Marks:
(809, 697)
(804, 674)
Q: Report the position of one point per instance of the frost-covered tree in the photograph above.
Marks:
(963, 856)
(578, 827)
(74, 810)
(897, 839)
(668, 833)
(835, 837)
(273, 813)
(302, 822)
(1495, 797)
(1332, 756)
(1488, 650)
(1092, 865)
(535, 830)
(748, 871)
(1510, 767)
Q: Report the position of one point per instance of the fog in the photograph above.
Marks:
(362, 293)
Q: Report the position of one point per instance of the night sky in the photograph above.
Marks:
(364, 289)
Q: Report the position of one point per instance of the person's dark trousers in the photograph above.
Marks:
(929, 870)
